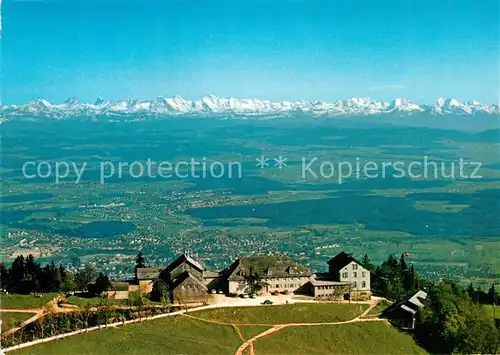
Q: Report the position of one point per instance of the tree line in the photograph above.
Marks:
(453, 320)
(26, 276)
(394, 279)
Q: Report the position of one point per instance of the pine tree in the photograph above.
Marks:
(17, 274)
(367, 263)
(402, 263)
(33, 274)
(392, 262)
(492, 295)
(410, 278)
(471, 291)
(139, 263)
(101, 284)
(4, 277)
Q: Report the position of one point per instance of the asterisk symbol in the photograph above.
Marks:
(280, 162)
(262, 162)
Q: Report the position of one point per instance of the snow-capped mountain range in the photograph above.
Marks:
(238, 108)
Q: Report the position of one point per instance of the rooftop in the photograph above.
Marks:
(342, 259)
(149, 273)
(266, 266)
(184, 258)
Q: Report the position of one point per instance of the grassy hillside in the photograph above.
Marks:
(293, 313)
(358, 338)
(187, 335)
(171, 335)
(378, 309)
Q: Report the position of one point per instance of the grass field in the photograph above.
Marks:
(296, 313)
(11, 320)
(378, 309)
(249, 331)
(14, 301)
(359, 338)
(186, 335)
(171, 335)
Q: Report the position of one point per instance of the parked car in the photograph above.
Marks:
(220, 292)
(267, 302)
(252, 295)
(213, 291)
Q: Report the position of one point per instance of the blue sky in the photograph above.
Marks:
(324, 50)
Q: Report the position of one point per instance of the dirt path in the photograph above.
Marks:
(247, 344)
(277, 327)
(52, 304)
(34, 310)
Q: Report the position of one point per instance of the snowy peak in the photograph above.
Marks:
(404, 105)
(452, 106)
(239, 108)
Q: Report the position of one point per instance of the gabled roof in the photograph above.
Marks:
(183, 277)
(148, 273)
(266, 266)
(410, 304)
(408, 309)
(341, 260)
(181, 259)
(415, 299)
(210, 274)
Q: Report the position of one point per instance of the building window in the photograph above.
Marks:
(355, 274)
(345, 275)
(355, 284)
(363, 274)
(277, 286)
(355, 266)
(363, 284)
